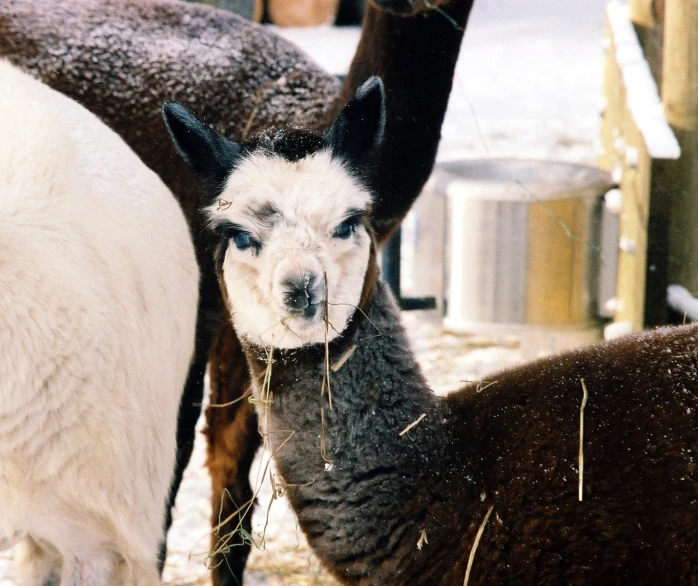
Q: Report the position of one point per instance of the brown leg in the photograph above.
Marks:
(233, 440)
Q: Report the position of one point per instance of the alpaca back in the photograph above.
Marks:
(98, 291)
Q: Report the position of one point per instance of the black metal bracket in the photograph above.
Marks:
(390, 268)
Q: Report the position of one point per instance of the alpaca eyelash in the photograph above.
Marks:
(348, 226)
(238, 236)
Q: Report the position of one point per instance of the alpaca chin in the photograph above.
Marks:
(272, 325)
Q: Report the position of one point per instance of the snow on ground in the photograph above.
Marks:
(528, 84)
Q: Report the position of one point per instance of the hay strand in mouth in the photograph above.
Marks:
(585, 396)
(326, 369)
(473, 549)
(325, 379)
(364, 314)
(266, 396)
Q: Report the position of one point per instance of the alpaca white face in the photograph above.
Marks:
(294, 249)
(291, 216)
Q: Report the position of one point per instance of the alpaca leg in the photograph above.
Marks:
(38, 564)
(233, 440)
(138, 573)
(99, 569)
(189, 411)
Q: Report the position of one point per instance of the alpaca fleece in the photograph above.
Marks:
(390, 483)
(98, 297)
(512, 446)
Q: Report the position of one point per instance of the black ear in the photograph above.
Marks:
(210, 155)
(358, 129)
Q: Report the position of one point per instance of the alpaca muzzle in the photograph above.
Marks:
(303, 295)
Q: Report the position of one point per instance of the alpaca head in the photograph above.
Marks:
(291, 212)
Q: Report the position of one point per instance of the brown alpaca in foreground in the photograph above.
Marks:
(575, 469)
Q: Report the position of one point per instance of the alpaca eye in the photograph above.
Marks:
(242, 240)
(345, 229)
(237, 235)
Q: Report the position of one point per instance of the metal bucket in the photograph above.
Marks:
(523, 244)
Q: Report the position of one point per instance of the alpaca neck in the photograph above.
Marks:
(351, 468)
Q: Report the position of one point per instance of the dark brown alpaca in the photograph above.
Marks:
(123, 58)
(577, 469)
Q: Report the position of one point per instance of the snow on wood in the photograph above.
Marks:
(642, 95)
(682, 302)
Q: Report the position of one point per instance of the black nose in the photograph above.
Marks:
(299, 293)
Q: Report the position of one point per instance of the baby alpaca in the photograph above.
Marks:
(98, 297)
(495, 484)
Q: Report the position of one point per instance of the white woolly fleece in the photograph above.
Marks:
(98, 301)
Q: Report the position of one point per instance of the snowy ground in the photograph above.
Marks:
(527, 85)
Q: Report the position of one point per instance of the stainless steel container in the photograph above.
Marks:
(523, 244)
(244, 8)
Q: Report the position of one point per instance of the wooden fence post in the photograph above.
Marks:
(680, 98)
(638, 146)
(648, 18)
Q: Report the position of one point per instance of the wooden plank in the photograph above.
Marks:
(614, 106)
(648, 18)
(641, 93)
(680, 96)
(637, 143)
(635, 186)
(657, 274)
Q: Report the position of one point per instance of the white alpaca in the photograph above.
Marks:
(98, 296)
